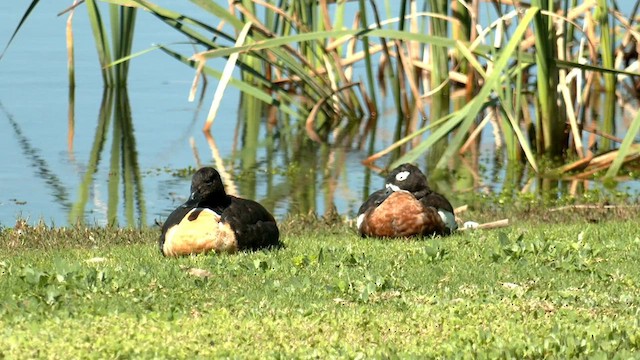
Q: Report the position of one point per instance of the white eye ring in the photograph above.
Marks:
(402, 176)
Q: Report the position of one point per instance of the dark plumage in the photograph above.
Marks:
(211, 220)
(406, 207)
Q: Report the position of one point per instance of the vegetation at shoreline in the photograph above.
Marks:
(533, 72)
(534, 289)
(545, 76)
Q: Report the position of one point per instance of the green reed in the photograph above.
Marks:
(368, 63)
(117, 45)
(547, 81)
(440, 100)
(606, 47)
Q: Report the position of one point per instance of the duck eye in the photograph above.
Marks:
(402, 176)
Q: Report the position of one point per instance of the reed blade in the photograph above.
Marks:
(242, 86)
(626, 148)
(547, 80)
(101, 41)
(26, 14)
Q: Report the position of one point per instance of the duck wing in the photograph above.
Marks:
(252, 224)
(444, 208)
(374, 200)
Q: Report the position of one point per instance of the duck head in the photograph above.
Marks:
(408, 177)
(207, 187)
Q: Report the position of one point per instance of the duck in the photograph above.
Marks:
(213, 221)
(406, 207)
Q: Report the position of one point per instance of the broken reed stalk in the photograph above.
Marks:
(224, 80)
(460, 209)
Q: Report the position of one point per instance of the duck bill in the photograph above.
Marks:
(195, 197)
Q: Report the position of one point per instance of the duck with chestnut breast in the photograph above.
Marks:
(406, 207)
(211, 220)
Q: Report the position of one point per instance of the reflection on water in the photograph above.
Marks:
(37, 162)
(123, 163)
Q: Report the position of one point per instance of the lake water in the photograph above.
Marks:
(43, 174)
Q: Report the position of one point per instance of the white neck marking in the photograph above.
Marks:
(392, 187)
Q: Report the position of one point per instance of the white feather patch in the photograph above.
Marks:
(402, 176)
(360, 220)
(393, 187)
(448, 219)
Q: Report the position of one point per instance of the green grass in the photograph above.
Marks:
(535, 289)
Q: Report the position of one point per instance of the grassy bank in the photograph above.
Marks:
(531, 290)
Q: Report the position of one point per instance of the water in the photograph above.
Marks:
(43, 173)
(42, 177)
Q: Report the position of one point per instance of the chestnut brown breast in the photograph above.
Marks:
(402, 215)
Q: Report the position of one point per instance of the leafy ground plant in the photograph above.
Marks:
(528, 291)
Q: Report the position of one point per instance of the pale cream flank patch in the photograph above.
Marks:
(202, 234)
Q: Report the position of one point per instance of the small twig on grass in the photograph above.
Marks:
(490, 225)
(460, 209)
